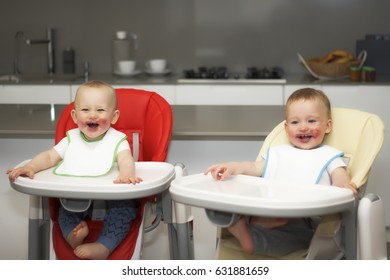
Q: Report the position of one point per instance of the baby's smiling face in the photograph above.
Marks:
(95, 111)
(307, 123)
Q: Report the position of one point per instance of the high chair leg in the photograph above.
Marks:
(38, 229)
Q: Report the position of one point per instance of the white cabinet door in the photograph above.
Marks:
(344, 96)
(229, 94)
(166, 91)
(35, 94)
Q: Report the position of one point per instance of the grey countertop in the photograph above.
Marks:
(172, 79)
(39, 121)
(77, 80)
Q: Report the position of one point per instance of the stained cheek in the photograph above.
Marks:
(104, 122)
(316, 132)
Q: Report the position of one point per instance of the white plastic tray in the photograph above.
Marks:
(257, 196)
(156, 178)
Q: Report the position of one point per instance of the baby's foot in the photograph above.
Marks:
(92, 251)
(240, 231)
(78, 234)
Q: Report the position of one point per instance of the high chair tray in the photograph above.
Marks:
(156, 178)
(250, 195)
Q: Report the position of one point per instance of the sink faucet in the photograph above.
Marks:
(18, 37)
(50, 48)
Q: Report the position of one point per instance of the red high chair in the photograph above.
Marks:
(146, 118)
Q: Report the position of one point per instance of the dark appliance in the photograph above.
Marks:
(378, 52)
(223, 75)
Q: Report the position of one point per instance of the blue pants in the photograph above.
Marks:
(280, 241)
(117, 221)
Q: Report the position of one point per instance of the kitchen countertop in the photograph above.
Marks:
(173, 79)
(306, 79)
(77, 80)
(39, 121)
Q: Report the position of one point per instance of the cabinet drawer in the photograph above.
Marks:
(289, 89)
(31, 94)
(166, 91)
(229, 95)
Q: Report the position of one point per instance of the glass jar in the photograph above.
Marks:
(368, 74)
(354, 74)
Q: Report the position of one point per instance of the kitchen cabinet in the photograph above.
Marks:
(166, 91)
(35, 94)
(229, 94)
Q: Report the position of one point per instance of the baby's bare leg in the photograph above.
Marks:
(241, 231)
(92, 251)
(268, 222)
(78, 234)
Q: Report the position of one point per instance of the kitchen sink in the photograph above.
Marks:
(39, 79)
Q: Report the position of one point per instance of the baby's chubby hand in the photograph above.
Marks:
(127, 180)
(14, 173)
(352, 187)
(219, 171)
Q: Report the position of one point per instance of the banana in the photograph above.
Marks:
(337, 56)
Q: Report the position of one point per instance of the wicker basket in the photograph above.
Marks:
(331, 69)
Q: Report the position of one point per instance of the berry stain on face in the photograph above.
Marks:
(305, 138)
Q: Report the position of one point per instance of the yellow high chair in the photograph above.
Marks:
(360, 136)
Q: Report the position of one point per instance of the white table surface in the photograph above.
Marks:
(156, 177)
(250, 195)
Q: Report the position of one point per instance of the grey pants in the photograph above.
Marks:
(117, 221)
(280, 241)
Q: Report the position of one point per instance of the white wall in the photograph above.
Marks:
(192, 33)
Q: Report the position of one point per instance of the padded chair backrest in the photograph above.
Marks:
(358, 134)
(141, 111)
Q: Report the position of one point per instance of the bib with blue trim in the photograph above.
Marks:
(285, 162)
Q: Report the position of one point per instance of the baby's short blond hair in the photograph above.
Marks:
(102, 85)
(309, 94)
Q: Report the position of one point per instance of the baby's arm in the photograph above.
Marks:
(40, 162)
(126, 169)
(222, 171)
(340, 178)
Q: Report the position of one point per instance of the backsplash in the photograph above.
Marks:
(189, 33)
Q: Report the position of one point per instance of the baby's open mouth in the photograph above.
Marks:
(93, 125)
(304, 137)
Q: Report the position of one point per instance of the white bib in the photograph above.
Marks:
(286, 162)
(83, 159)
